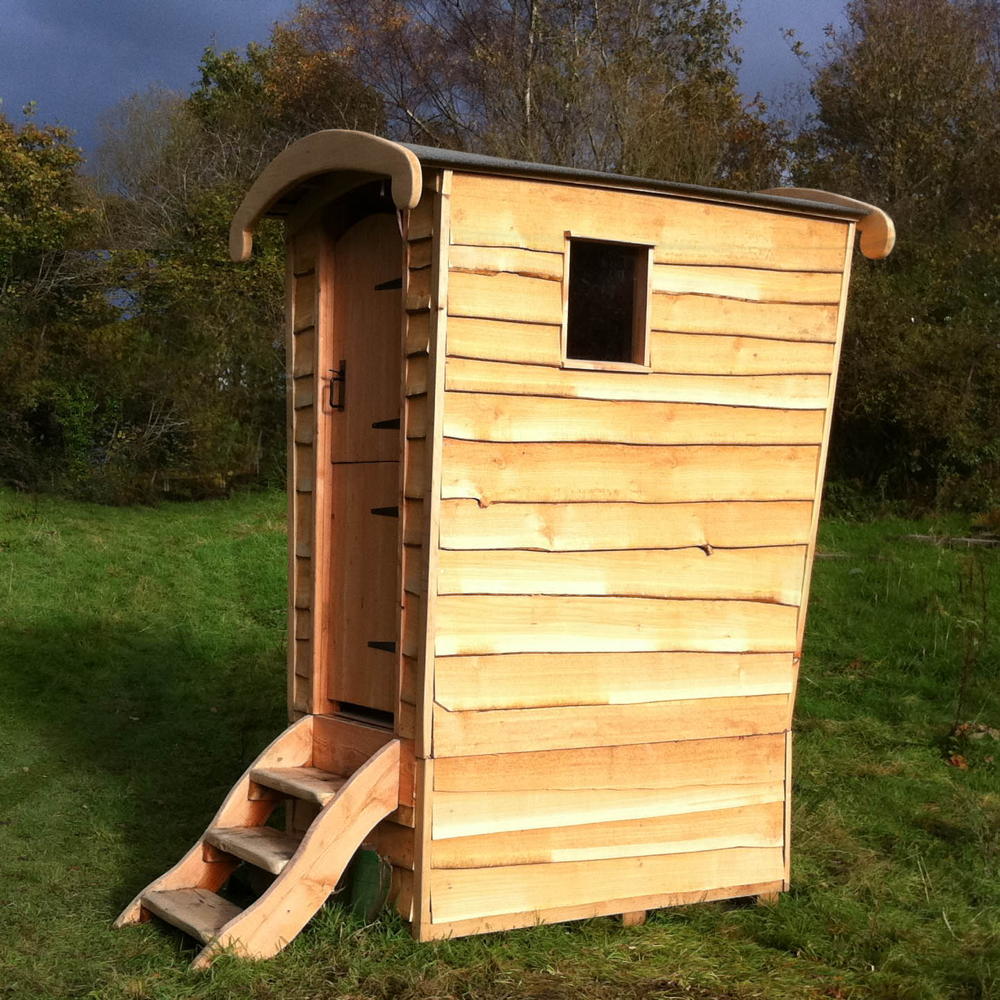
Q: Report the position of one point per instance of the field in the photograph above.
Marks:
(141, 668)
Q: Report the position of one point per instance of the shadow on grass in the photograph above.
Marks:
(139, 731)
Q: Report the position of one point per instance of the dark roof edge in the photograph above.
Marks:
(477, 163)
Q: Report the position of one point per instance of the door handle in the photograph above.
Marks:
(338, 386)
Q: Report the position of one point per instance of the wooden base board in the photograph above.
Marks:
(511, 921)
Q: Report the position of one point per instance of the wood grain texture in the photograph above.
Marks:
(505, 295)
(493, 417)
(566, 527)
(449, 929)
(502, 211)
(512, 260)
(670, 352)
(771, 574)
(777, 320)
(758, 825)
(571, 473)
(501, 340)
(515, 732)
(467, 893)
(752, 284)
(714, 354)
(788, 392)
(540, 680)
(488, 624)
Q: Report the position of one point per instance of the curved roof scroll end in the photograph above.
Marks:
(321, 153)
(878, 233)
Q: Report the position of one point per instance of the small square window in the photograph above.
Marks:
(606, 309)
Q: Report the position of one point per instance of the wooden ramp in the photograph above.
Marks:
(306, 764)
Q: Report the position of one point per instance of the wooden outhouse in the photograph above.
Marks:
(556, 443)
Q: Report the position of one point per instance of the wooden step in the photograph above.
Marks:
(197, 912)
(307, 783)
(262, 846)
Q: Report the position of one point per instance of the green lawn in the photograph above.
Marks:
(142, 667)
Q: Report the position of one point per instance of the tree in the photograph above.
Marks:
(908, 117)
(637, 87)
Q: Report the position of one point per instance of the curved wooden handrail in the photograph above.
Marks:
(320, 153)
(878, 233)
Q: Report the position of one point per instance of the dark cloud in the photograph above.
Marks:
(77, 58)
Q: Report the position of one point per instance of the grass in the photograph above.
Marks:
(142, 666)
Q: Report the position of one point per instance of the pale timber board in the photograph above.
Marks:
(751, 284)
(449, 929)
(477, 416)
(782, 392)
(458, 894)
(774, 320)
(714, 354)
(521, 298)
(570, 473)
(536, 214)
(470, 624)
(518, 731)
(503, 295)
(567, 527)
(513, 260)
(758, 825)
(468, 814)
(772, 574)
(670, 352)
(502, 340)
(541, 680)
(650, 764)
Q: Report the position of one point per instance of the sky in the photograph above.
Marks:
(78, 58)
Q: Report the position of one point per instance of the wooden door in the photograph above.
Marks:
(363, 600)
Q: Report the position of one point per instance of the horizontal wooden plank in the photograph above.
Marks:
(513, 260)
(504, 295)
(753, 284)
(538, 680)
(536, 214)
(570, 473)
(304, 352)
(416, 375)
(304, 304)
(562, 527)
(778, 320)
(450, 929)
(393, 842)
(712, 354)
(771, 574)
(788, 392)
(499, 340)
(476, 416)
(420, 253)
(509, 731)
(489, 624)
(759, 825)
(647, 765)
(458, 894)
(418, 333)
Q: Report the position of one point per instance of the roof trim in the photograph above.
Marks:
(878, 231)
(320, 153)
(429, 156)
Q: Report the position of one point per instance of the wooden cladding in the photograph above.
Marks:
(549, 680)
(573, 473)
(497, 211)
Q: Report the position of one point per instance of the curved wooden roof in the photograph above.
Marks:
(359, 157)
(359, 153)
(878, 232)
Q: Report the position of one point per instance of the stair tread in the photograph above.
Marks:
(309, 783)
(197, 912)
(262, 846)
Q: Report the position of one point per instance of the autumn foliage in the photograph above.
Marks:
(135, 360)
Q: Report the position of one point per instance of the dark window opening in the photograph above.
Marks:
(607, 286)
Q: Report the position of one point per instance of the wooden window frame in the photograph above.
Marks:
(641, 309)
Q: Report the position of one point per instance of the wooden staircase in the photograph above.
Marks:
(348, 773)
